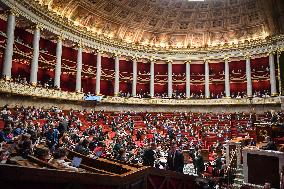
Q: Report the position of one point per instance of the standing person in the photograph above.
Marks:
(149, 156)
(175, 160)
(199, 163)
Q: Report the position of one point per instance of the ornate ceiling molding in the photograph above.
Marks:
(60, 25)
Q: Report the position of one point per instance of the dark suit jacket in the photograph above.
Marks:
(200, 164)
(175, 162)
(148, 157)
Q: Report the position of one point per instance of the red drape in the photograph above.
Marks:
(21, 67)
(24, 36)
(70, 55)
(3, 25)
(125, 69)
(179, 68)
(143, 79)
(161, 88)
(68, 81)
(44, 74)
(107, 79)
(197, 88)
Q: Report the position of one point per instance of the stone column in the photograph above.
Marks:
(34, 65)
(170, 78)
(272, 74)
(8, 56)
(116, 76)
(227, 78)
(152, 79)
(207, 90)
(134, 81)
(58, 62)
(278, 74)
(248, 74)
(79, 69)
(187, 79)
(99, 73)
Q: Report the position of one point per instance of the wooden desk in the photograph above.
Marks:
(261, 166)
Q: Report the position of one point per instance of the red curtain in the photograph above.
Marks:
(238, 73)
(261, 85)
(48, 46)
(125, 87)
(236, 87)
(143, 85)
(216, 88)
(143, 67)
(3, 26)
(107, 87)
(161, 69)
(89, 59)
(143, 88)
(179, 68)
(161, 88)
(107, 80)
(217, 70)
(126, 66)
(259, 63)
(89, 84)
(44, 74)
(260, 74)
(125, 69)
(197, 88)
(197, 69)
(181, 88)
(69, 54)
(24, 36)
(237, 65)
(21, 68)
(68, 81)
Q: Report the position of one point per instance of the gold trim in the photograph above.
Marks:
(274, 94)
(6, 78)
(279, 52)
(34, 84)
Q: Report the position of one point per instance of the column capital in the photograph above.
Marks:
(79, 44)
(226, 58)
(134, 58)
(187, 61)
(117, 54)
(206, 60)
(12, 11)
(99, 51)
(273, 52)
(152, 59)
(247, 56)
(60, 37)
(169, 61)
(38, 26)
(279, 51)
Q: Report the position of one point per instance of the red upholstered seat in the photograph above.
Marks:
(2, 124)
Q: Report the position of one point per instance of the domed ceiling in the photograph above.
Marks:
(176, 23)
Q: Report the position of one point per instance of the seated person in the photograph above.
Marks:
(41, 152)
(83, 147)
(270, 144)
(58, 160)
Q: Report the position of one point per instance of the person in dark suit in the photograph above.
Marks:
(149, 156)
(199, 164)
(175, 160)
(62, 127)
(270, 145)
